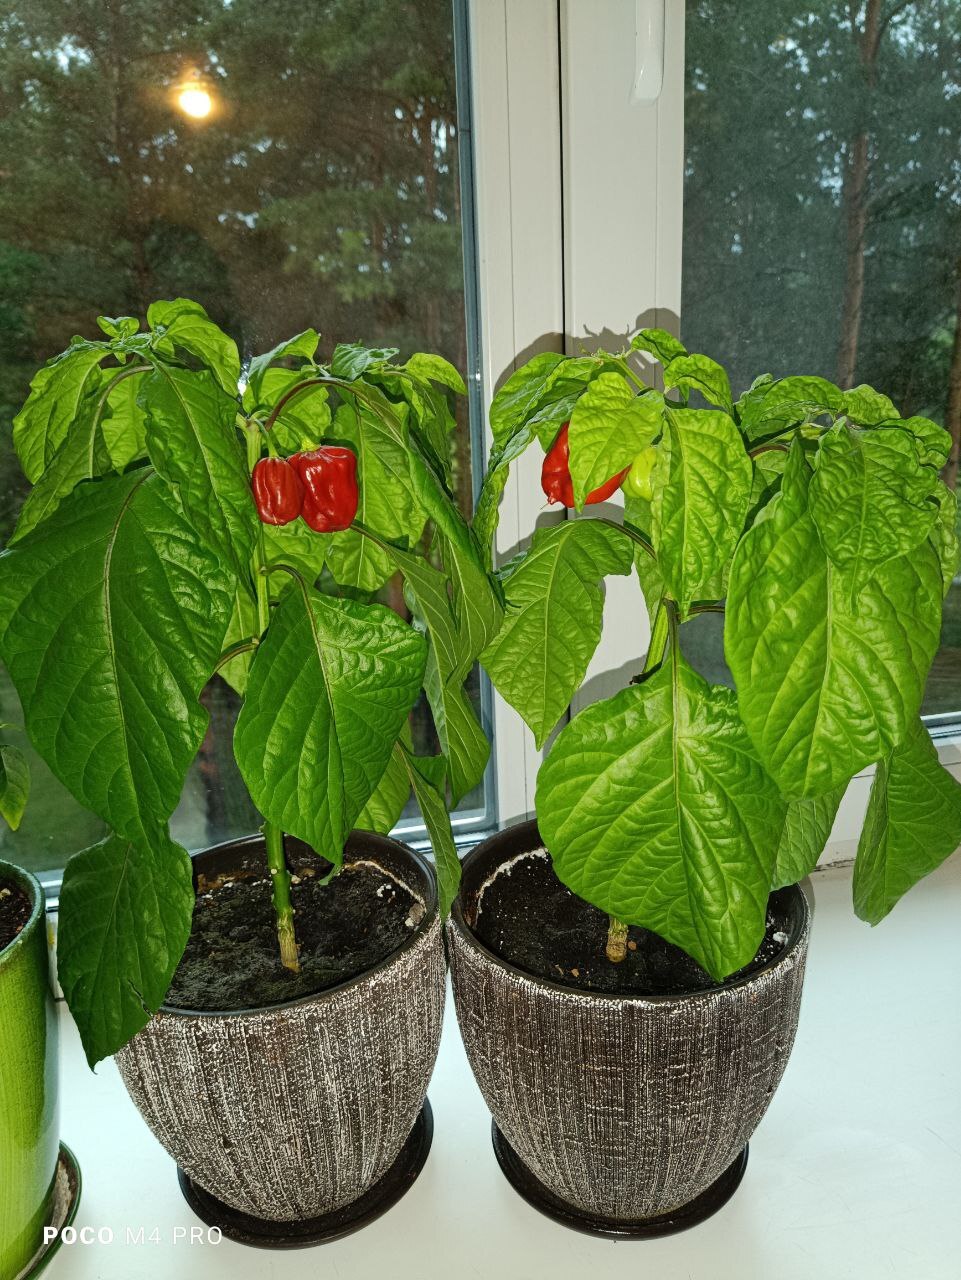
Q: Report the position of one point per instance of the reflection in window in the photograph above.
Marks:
(822, 207)
(287, 166)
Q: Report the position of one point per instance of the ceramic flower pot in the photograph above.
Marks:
(29, 1135)
(620, 1115)
(297, 1122)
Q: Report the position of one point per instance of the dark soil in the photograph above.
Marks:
(14, 911)
(343, 929)
(531, 920)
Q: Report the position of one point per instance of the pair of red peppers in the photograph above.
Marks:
(556, 475)
(320, 485)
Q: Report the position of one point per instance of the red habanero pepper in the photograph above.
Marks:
(329, 477)
(556, 475)
(278, 491)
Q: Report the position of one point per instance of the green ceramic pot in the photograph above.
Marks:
(29, 1132)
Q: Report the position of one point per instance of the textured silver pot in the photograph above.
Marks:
(291, 1112)
(616, 1112)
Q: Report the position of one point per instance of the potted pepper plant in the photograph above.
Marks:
(274, 1003)
(627, 970)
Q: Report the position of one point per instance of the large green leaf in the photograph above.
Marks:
(868, 407)
(14, 784)
(487, 510)
(243, 625)
(807, 825)
(610, 425)
(552, 625)
(656, 809)
(515, 401)
(124, 920)
(112, 617)
(449, 662)
(56, 394)
(770, 408)
(934, 443)
(124, 423)
(386, 500)
(427, 366)
(663, 346)
(944, 536)
(913, 823)
(427, 779)
(871, 499)
(304, 420)
(303, 344)
(824, 691)
(383, 810)
(702, 374)
(702, 488)
(328, 693)
(185, 325)
(193, 443)
(351, 359)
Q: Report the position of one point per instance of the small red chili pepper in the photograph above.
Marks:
(556, 475)
(278, 491)
(329, 477)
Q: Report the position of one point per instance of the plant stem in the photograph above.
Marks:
(273, 836)
(616, 941)
(659, 634)
(280, 887)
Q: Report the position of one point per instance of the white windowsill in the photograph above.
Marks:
(853, 1173)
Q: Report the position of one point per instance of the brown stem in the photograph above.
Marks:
(616, 941)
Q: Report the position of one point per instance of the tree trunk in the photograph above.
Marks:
(854, 198)
(952, 414)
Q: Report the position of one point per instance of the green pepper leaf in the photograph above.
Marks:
(450, 659)
(702, 374)
(552, 626)
(304, 420)
(383, 810)
(824, 691)
(118, 326)
(184, 325)
(14, 784)
(112, 617)
(656, 809)
(193, 443)
(521, 393)
(771, 408)
(807, 825)
(944, 536)
(870, 499)
(427, 366)
(934, 443)
(663, 346)
(386, 502)
(487, 510)
(329, 690)
(610, 425)
(123, 423)
(351, 359)
(702, 487)
(869, 408)
(302, 344)
(124, 920)
(427, 782)
(913, 823)
(56, 394)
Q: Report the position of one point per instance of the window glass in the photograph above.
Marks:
(287, 166)
(822, 209)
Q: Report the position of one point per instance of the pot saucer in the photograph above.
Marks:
(686, 1215)
(244, 1228)
(66, 1198)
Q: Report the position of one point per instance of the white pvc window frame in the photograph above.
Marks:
(579, 165)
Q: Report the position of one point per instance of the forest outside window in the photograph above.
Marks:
(822, 210)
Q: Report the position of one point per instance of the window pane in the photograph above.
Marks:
(822, 207)
(309, 177)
